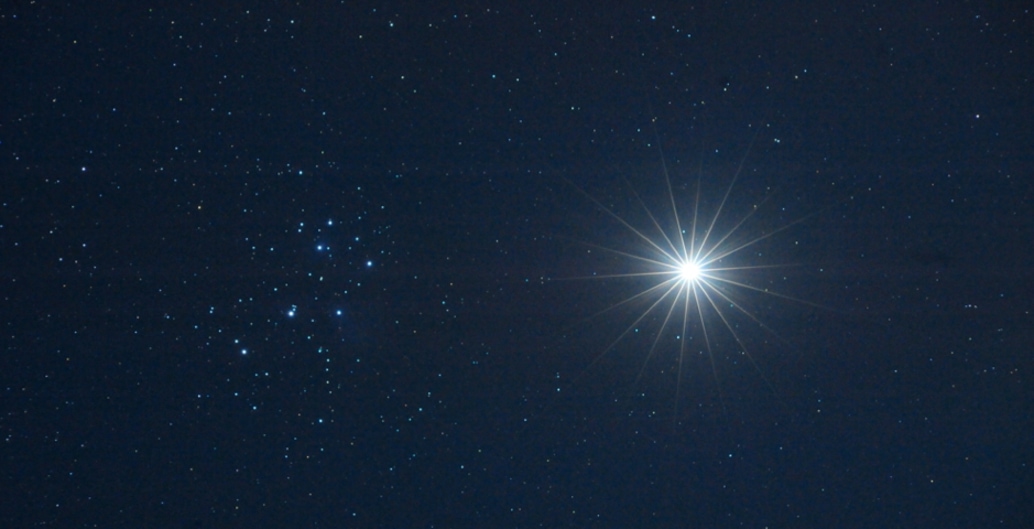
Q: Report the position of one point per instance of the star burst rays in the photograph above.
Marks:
(696, 275)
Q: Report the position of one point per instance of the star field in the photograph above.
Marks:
(323, 266)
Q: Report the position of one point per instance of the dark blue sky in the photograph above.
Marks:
(325, 265)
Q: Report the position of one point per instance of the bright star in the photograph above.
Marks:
(689, 271)
(693, 274)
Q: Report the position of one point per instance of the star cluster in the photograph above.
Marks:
(299, 265)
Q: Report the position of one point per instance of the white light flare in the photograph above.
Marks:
(690, 271)
(700, 278)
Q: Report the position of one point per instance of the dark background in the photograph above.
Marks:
(282, 265)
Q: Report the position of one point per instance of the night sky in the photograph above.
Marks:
(375, 264)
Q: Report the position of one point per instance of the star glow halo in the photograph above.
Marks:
(693, 275)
